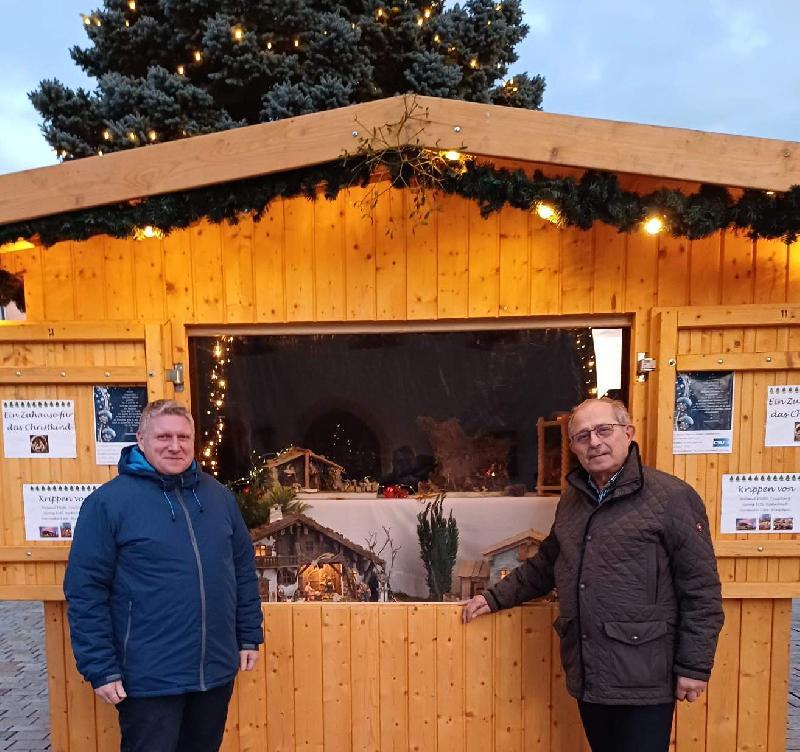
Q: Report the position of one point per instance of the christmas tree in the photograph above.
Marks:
(167, 69)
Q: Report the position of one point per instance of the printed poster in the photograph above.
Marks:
(783, 416)
(757, 503)
(43, 429)
(51, 509)
(117, 410)
(703, 413)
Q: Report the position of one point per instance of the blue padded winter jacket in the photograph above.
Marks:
(161, 586)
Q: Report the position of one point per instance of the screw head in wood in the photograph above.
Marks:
(456, 129)
(759, 548)
(63, 373)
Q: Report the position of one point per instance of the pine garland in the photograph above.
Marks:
(594, 197)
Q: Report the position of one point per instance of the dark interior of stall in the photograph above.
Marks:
(444, 408)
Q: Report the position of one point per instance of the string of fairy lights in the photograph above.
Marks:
(291, 43)
(584, 349)
(215, 405)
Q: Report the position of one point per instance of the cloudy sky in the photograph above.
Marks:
(717, 65)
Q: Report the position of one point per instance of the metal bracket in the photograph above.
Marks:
(644, 366)
(175, 375)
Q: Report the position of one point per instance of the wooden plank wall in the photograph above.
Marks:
(347, 677)
(332, 673)
(342, 261)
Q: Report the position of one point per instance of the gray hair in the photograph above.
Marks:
(621, 414)
(163, 407)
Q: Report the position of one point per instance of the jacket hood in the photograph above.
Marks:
(133, 462)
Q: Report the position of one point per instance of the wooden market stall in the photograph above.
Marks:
(410, 676)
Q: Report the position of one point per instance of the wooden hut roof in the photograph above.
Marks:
(472, 569)
(514, 541)
(268, 530)
(293, 453)
(490, 131)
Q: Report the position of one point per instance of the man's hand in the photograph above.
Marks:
(113, 693)
(474, 608)
(247, 659)
(689, 689)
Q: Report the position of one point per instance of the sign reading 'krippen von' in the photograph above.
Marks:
(761, 503)
(39, 429)
(51, 509)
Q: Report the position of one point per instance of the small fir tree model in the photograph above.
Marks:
(257, 497)
(167, 69)
(438, 545)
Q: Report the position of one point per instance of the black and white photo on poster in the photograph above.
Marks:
(703, 422)
(117, 410)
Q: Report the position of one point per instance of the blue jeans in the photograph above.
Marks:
(193, 722)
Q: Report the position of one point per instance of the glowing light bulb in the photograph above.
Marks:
(547, 212)
(198, 56)
(132, 137)
(427, 13)
(181, 69)
(107, 134)
(379, 13)
(152, 135)
(653, 225)
(452, 155)
(132, 4)
(238, 33)
(86, 20)
(437, 38)
(473, 63)
(296, 42)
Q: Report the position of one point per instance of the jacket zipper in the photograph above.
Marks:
(610, 498)
(201, 580)
(127, 635)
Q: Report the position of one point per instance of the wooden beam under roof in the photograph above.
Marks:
(488, 130)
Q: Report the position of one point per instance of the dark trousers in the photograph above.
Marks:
(194, 722)
(627, 728)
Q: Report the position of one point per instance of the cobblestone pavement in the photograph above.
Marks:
(23, 680)
(793, 732)
(24, 724)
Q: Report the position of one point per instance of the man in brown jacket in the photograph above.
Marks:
(639, 594)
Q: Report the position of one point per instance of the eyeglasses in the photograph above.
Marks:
(602, 431)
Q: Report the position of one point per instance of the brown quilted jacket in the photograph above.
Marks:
(637, 583)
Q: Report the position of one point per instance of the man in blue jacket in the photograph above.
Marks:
(161, 590)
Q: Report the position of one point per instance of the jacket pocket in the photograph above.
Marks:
(637, 653)
(127, 634)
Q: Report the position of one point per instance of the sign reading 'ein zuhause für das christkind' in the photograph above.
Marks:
(43, 429)
(760, 503)
(783, 416)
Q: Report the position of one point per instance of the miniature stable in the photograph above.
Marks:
(333, 676)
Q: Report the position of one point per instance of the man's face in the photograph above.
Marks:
(600, 456)
(168, 443)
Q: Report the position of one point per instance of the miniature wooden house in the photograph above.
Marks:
(503, 556)
(298, 555)
(471, 577)
(301, 467)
